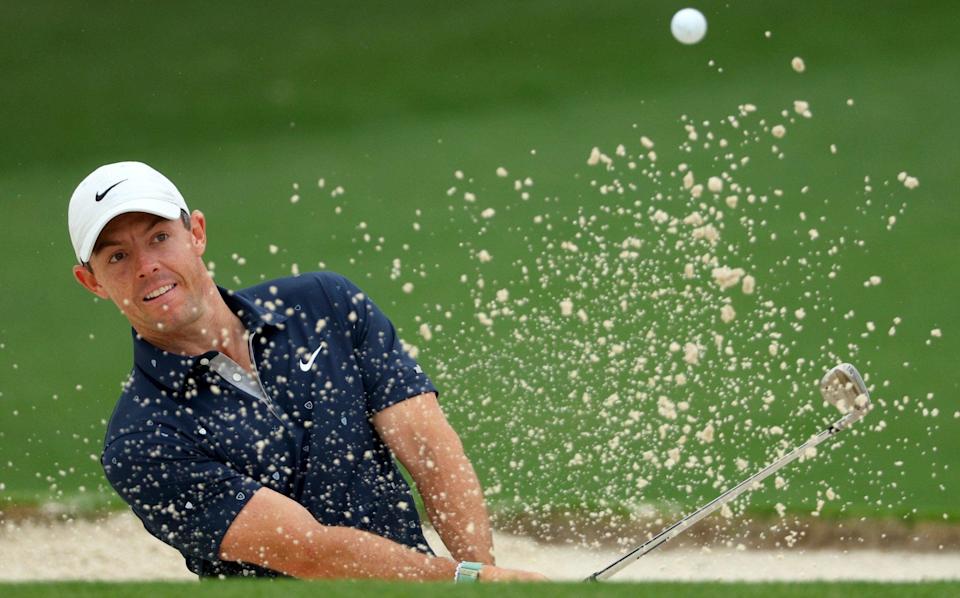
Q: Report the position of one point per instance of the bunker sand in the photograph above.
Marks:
(116, 547)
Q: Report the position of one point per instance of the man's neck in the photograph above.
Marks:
(218, 329)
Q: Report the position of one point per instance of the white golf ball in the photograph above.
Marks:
(688, 26)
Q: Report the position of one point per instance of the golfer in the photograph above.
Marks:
(257, 429)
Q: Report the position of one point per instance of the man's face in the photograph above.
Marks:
(151, 268)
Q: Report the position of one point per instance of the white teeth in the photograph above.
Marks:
(159, 292)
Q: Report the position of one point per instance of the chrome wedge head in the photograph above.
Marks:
(843, 388)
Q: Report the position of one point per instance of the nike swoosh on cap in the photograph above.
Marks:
(306, 365)
(100, 196)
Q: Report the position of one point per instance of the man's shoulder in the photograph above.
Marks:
(305, 283)
(332, 290)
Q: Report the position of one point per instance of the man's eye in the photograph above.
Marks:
(116, 257)
(162, 236)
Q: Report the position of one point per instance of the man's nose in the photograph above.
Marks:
(146, 264)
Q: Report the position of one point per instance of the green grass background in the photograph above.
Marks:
(237, 102)
(253, 589)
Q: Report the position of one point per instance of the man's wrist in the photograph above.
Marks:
(467, 572)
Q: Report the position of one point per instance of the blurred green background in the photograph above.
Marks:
(246, 104)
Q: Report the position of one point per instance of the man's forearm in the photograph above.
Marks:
(275, 532)
(348, 552)
(421, 438)
(454, 502)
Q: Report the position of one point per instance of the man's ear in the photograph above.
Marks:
(198, 232)
(87, 279)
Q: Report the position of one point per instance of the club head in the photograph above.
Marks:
(843, 388)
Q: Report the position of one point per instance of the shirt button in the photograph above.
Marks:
(237, 377)
(308, 405)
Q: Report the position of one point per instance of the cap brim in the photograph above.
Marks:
(157, 207)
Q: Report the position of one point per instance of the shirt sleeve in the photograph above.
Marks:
(183, 497)
(389, 373)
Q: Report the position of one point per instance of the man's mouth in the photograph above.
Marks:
(159, 291)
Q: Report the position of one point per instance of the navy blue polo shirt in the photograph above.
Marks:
(186, 449)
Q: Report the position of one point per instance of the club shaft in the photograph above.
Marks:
(680, 526)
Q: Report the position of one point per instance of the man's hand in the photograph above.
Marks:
(490, 573)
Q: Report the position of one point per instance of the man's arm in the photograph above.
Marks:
(277, 532)
(418, 434)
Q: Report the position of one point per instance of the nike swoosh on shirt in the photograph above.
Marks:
(306, 365)
(100, 196)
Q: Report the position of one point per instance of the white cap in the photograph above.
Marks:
(116, 189)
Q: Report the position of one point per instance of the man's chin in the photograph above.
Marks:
(172, 321)
(162, 326)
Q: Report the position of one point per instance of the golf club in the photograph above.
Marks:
(842, 387)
